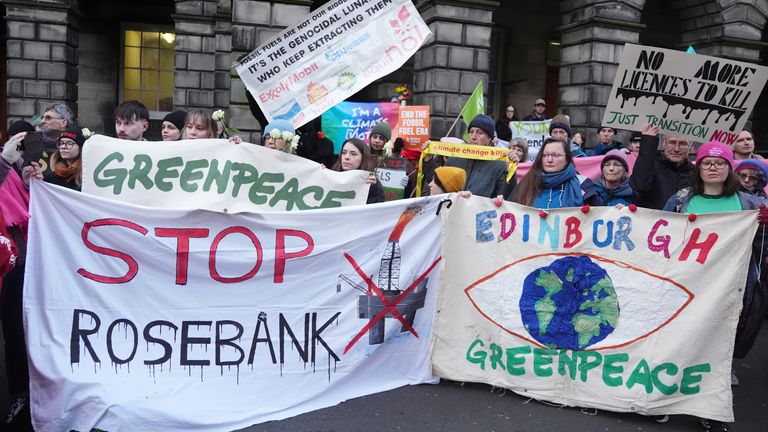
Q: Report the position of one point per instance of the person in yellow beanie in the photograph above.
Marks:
(447, 179)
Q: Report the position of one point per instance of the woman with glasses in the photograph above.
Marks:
(553, 181)
(66, 169)
(715, 188)
(753, 176)
(503, 132)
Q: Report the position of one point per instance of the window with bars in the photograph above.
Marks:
(148, 68)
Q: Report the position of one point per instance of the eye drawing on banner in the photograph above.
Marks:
(577, 301)
(387, 300)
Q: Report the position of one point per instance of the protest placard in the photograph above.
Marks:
(533, 132)
(168, 320)
(393, 175)
(611, 309)
(356, 119)
(215, 175)
(699, 97)
(330, 55)
(413, 126)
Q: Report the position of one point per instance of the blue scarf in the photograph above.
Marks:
(624, 191)
(566, 179)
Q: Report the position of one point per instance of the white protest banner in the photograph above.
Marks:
(214, 175)
(154, 319)
(622, 311)
(330, 55)
(534, 132)
(700, 97)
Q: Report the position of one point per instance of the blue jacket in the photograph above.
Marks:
(601, 149)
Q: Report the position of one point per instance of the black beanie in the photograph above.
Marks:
(563, 126)
(177, 118)
(19, 126)
(484, 123)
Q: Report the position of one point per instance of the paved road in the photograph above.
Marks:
(451, 406)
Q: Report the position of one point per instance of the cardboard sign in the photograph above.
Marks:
(333, 53)
(413, 126)
(699, 97)
(392, 173)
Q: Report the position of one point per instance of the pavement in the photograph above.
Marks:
(469, 407)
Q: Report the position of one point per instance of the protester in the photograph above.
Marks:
(447, 179)
(552, 181)
(519, 147)
(57, 116)
(314, 145)
(744, 146)
(280, 135)
(66, 169)
(380, 134)
(560, 128)
(199, 125)
(503, 132)
(356, 155)
(484, 177)
(613, 184)
(716, 189)
(14, 208)
(605, 135)
(173, 124)
(578, 138)
(753, 176)
(656, 177)
(634, 142)
(8, 251)
(538, 111)
(131, 120)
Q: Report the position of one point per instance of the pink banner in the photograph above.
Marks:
(586, 166)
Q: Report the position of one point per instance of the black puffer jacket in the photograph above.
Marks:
(655, 178)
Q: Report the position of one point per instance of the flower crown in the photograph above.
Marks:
(289, 137)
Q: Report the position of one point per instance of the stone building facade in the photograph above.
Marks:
(79, 52)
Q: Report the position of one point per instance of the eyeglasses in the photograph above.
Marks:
(749, 177)
(49, 118)
(510, 110)
(552, 155)
(65, 144)
(718, 164)
(678, 144)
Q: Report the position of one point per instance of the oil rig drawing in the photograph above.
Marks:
(370, 304)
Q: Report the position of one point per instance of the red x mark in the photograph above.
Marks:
(388, 307)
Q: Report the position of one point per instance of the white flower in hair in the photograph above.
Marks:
(218, 115)
(274, 133)
(86, 133)
(287, 136)
(295, 142)
(388, 147)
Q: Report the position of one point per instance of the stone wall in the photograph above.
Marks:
(41, 49)
(448, 68)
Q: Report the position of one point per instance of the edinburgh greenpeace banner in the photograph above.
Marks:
(167, 320)
(331, 54)
(622, 311)
(214, 175)
(700, 97)
(534, 132)
(356, 119)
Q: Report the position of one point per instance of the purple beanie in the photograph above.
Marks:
(617, 155)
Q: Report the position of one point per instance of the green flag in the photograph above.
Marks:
(475, 105)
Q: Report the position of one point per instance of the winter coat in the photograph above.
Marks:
(484, 177)
(755, 299)
(655, 178)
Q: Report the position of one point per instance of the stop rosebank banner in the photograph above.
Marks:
(152, 319)
(630, 312)
(216, 175)
(330, 55)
